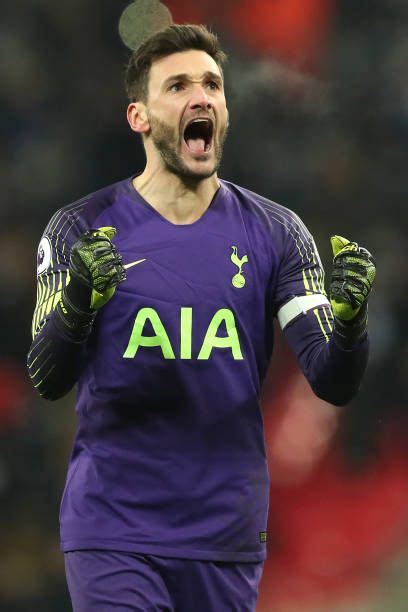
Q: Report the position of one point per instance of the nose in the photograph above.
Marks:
(199, 98)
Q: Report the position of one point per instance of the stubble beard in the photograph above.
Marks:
(168, 144)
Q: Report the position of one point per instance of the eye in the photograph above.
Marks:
(213, 85)
(175, 87)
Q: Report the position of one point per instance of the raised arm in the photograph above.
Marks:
(73, 282)
(329, 339)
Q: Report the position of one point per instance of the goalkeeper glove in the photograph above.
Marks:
(96, 269)
(351, 282)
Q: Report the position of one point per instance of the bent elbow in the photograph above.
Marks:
(52, 395)
(336, 395)
(50, 392)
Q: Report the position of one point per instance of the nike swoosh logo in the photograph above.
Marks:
(133, 263)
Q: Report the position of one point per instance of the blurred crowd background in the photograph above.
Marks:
(318, 98)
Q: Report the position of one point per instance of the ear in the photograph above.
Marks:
(137, 117)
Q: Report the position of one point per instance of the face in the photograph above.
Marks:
(187, 113)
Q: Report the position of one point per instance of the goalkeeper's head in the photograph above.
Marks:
(175, 85)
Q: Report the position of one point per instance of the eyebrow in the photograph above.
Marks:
(187, 77)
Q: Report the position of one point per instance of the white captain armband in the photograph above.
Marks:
(299, 305)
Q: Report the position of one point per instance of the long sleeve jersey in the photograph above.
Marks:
(169, 454)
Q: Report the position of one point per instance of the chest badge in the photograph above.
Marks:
(238, 280)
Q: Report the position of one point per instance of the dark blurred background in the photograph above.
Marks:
(318, 97)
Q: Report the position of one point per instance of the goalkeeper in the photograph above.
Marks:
(166, 499)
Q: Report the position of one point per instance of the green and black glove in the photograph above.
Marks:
(351, 283)
(95, 269)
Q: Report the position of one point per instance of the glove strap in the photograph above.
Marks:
(349, 333)
(76, 323)
(79, 292)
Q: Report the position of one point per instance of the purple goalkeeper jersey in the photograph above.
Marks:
(169, 455)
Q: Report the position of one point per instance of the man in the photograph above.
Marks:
(165, 506)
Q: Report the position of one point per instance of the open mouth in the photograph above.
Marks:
(198, 135)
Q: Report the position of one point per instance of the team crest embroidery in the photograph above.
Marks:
(43, 255)
(238, 280)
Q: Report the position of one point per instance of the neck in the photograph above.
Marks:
(180, 201)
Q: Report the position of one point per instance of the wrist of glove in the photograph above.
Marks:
(96, 269)
(351, 283)
(71, 320)
(349, 333)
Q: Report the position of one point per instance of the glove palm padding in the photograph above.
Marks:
(352, 278)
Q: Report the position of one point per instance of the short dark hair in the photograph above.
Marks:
(173, 39)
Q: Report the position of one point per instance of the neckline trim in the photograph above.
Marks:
(139, 198)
